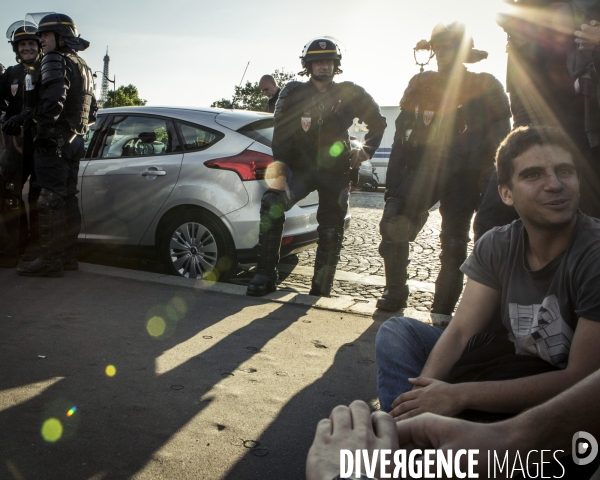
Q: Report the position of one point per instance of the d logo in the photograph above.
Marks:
(584, 451)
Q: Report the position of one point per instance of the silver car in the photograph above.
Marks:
(188, 182)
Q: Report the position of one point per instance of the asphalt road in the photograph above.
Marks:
(112, 378)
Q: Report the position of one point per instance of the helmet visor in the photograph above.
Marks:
(28, 27)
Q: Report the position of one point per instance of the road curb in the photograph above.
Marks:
(343, 304)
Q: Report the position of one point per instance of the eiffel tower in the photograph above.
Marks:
(104, 85)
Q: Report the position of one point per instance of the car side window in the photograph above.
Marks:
(197, 138)
(92, 137)
(136, 136)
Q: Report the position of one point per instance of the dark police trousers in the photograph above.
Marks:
(458, 191)
(59, 174)
(333, 189)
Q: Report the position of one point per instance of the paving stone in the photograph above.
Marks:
(361, 268)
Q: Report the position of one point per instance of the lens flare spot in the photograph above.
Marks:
(224, 264)
(211, 278)
(249, 240)
(172, 313)
(71, 411)
(156, 326)
(276, 211)
(336, 149)
(110, 371)
(265, 224)
(179, 305)
(52, 430)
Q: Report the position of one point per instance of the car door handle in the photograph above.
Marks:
(153, 173)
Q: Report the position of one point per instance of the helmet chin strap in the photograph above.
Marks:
(322, 78)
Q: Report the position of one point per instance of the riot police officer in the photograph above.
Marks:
(16, 87)
(451, 122)
(312, 151)
(66, 107)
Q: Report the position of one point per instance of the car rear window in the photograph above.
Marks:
(196, 137)
(261, 131)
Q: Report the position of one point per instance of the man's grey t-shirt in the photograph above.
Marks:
(541, 308)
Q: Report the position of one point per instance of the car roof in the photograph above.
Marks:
(232, 119)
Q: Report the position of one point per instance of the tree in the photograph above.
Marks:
(249, 96)
(124, 96)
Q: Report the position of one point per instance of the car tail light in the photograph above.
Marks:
(248, 165)
(287, 240)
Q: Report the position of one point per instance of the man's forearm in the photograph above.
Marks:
(445, 354)
(552, 424)
(50, 107)
(513, 396)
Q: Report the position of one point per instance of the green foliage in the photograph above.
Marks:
(124, 96)
(249, 96)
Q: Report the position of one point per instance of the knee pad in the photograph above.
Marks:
(330, 238)
(395, 229)
(273, 204)
(50, 199)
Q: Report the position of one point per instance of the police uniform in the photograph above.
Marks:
(549, 84)
(66, 107)
(16, 90)
(446, 137)
(312, 145)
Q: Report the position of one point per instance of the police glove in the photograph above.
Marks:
(45, 143)
(13, 125)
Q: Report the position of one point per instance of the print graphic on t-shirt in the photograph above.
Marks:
(540, 330)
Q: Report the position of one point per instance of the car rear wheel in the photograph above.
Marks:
(196, 245)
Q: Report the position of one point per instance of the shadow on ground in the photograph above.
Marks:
(66, 334)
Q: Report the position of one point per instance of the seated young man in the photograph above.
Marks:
(543, 271)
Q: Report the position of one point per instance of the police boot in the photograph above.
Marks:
(72, 229)
(272, 218)
(264, 280)
(327, 258)
(395, 258)
(449, 283)
(52, 224)
(33, 248)
(24, 234)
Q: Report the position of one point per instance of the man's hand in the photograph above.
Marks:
(429, 395)
(589, 35)
(13, 125)
(348, 428)
(357, 156)
(442, 433)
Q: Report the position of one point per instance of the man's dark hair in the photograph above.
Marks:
(522, 139)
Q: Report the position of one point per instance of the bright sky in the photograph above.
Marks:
(193, 52)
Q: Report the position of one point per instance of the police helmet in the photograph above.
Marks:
(58, 23)
(24, 33)
(455, 34)
(64, 26)
(320, 49)
(21, 30)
